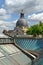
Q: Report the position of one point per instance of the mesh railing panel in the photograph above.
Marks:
(29, 44)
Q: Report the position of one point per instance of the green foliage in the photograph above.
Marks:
(35, 29)
(29, 31)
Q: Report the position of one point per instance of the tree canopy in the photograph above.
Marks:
(35, 29)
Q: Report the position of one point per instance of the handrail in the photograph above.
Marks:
(32, 56)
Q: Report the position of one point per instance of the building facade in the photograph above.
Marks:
(21, 27)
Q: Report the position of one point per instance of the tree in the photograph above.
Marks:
(35, 30)
(29, 31)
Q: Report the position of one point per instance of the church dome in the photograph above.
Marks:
(22, 22)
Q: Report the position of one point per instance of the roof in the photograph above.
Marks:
(3, 36)
(22, 22)
(11, 55)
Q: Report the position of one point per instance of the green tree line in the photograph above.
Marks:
(36, 29)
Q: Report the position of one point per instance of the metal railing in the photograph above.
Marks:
(6, 40)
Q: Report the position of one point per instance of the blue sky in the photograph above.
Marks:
(2, 3)
(10, 12)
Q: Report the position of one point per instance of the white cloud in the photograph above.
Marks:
(2, 11)
(3, 14)
(38, 17)
(15, 2)
(27, 5)
(7, 25)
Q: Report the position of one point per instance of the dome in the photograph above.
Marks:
(21, 22)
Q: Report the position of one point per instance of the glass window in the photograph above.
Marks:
(9, 48)
(13, 56)
(21, 58)
(1, 54)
